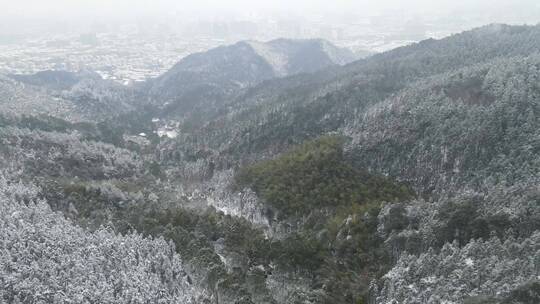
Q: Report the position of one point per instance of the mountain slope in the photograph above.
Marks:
(300, 107)
(202, 81)
(18, 98)
(56, 80)
(289, 57)
(48, 259)
(75, 97)
(455, 118)
(407, 177)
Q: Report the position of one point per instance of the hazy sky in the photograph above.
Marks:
(16, 14)
(55, 7)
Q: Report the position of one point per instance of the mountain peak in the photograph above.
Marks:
(207, 77)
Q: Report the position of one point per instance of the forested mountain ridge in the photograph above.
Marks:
(75, 97)
(202, 81)
(324, 101)
(407, 177)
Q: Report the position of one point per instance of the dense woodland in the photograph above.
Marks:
(409, 176)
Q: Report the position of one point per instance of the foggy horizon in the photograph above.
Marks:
(33, 16)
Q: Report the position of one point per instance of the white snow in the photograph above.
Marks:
(165, 132)
(429, 280)
(277, 60)
(222, 258)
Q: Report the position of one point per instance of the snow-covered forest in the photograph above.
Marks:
(410, 176)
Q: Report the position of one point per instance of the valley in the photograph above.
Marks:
(289, 171)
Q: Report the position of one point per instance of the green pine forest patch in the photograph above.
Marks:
(317, 174)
